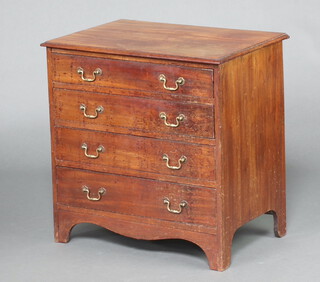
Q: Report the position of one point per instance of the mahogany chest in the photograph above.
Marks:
(166, 131)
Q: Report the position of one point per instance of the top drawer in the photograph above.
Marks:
(150, 77)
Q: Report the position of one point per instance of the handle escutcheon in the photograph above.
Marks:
(179, 118)
(178, 82)
(94, 74)
(98, 110)
(99, 150)
(181, 206)
(101, 192)
(182, 159)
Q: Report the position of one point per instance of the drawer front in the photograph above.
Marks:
(83, 110)
(133, 75)
(135, 153)
(136, 196)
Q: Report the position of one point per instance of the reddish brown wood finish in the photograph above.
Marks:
(173, 96)
(134, 154)
(139, 229)
(252, 140)
(137, 196)
(133, 75)
(136, 114)
(234, 95)
(167, 41)
(251, 106)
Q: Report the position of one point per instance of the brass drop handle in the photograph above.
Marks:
(180, 161)
(99, 150)
(179, 81)
(181, 206)
(179, 118)
(94, 74)
(101, 192)
(98, 110)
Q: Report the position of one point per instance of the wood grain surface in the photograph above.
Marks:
(167, 41)
(134, 227)
(133, 75)
(251, 109)
(138, 115)
(136, 196)
(135, 154)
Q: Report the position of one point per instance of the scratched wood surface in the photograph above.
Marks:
(167, 41)
(133, 75)
(133, 155)
(251, 103)
(137, 115)
(136, 196)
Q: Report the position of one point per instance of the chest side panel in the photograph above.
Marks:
(252, 134)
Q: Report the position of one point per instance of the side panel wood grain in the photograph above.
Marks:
(53, 143)
(252, 136)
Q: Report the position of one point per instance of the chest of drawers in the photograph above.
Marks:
(166, 131)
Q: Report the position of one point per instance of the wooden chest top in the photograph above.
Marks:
(167, 41)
